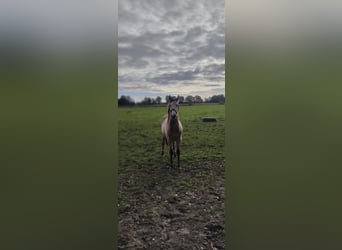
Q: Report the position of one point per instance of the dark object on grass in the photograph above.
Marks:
(209, 119)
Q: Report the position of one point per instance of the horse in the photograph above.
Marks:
(172, 130)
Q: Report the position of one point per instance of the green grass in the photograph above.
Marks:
(140, 135)
(171, 199)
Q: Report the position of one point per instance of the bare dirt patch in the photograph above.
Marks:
(164, 208)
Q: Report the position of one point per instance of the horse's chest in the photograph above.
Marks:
(173, 136)
(173, 132)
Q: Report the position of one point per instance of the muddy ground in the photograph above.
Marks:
(169, 208)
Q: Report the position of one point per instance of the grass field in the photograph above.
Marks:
(162, 207)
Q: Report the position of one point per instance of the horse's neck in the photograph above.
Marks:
(173, 123)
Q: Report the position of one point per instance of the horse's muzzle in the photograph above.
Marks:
(173, 114)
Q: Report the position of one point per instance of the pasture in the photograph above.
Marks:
(170, 208)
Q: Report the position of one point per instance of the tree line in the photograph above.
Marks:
(129, 101)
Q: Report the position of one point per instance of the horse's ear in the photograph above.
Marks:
(177, 100)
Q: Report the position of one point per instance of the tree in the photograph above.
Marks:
(198, 99)
(170, 98)
(125, 100)
(217, 99)
(158, 99)
(146, 101)
(189, 99)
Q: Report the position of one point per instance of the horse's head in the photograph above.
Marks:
(173, 108)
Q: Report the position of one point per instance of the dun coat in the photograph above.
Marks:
(172, 130)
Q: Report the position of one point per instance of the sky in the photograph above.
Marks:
(171, 48)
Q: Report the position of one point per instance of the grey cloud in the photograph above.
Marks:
(177, 33)
(171, 42)
(168, 78)
(214, 68)
(138, 51)
(218, 90)
(194, 33)
(171, 15)
(148, 45)
(214, 47)
(125, 78)
(211, 85)
(137, 63)
(213, 72)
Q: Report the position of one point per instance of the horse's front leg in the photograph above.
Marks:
(173, 149)
(163, 143)
(171, 155)
(178, 153)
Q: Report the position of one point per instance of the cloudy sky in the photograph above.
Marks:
(171, 47)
